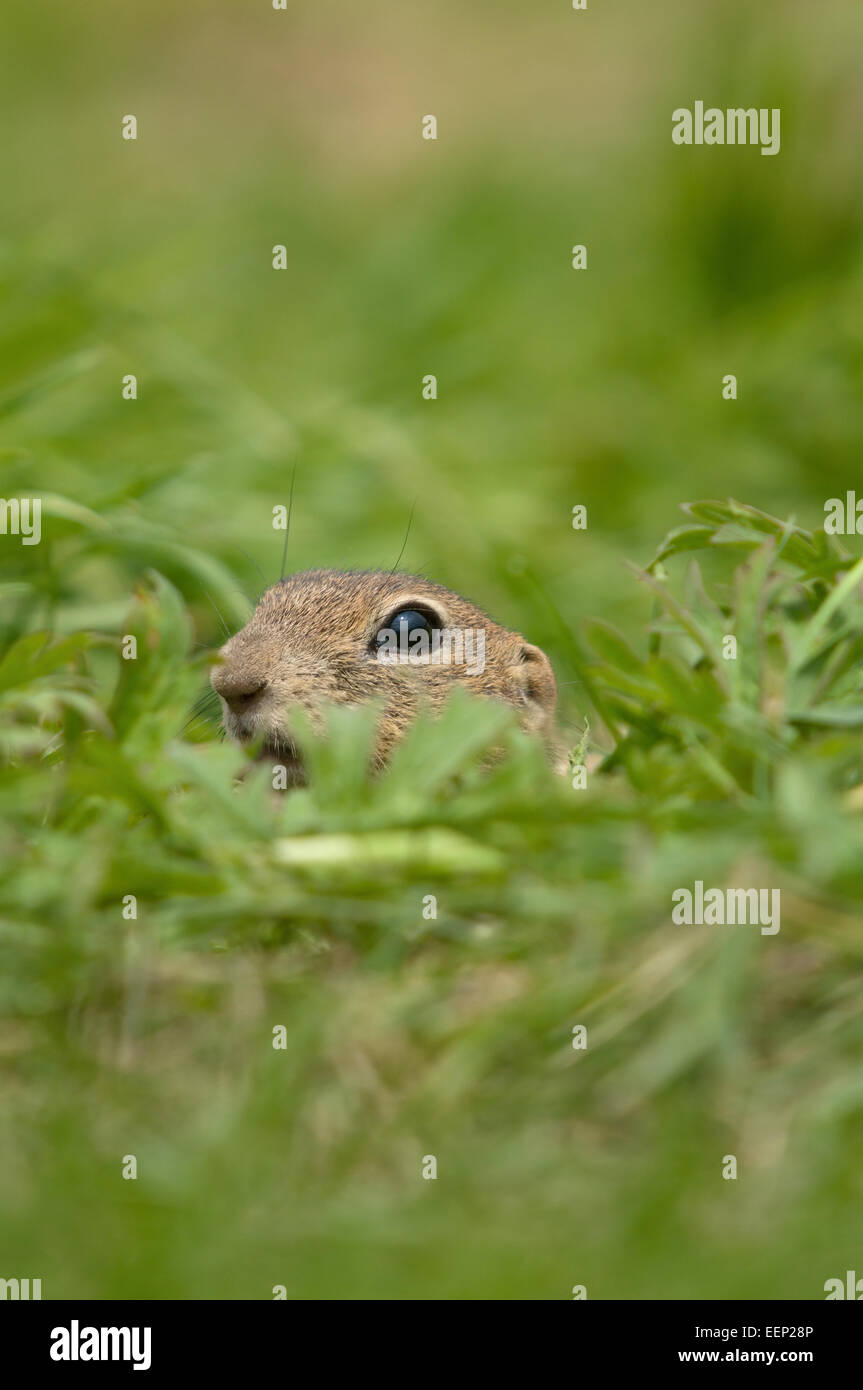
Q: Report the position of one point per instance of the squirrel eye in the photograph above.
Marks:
(403, 623)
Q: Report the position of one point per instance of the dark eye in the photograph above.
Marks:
(403, 623)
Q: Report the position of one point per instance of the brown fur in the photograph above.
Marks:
(311, 641)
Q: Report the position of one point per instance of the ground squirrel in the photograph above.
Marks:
(351, 636)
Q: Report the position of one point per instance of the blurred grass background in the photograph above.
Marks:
(408, 257)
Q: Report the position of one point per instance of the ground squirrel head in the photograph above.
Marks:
(352, 636)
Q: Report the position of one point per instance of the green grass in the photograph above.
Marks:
(408, 1036)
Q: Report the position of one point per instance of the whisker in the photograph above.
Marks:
(204, 709)
(253, 562)
(207, 697)
(219, 616)
(405, 541)
(288, 526)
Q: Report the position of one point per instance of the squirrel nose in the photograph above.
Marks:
(238, 689)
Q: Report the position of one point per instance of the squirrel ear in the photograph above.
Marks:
(533, 684)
